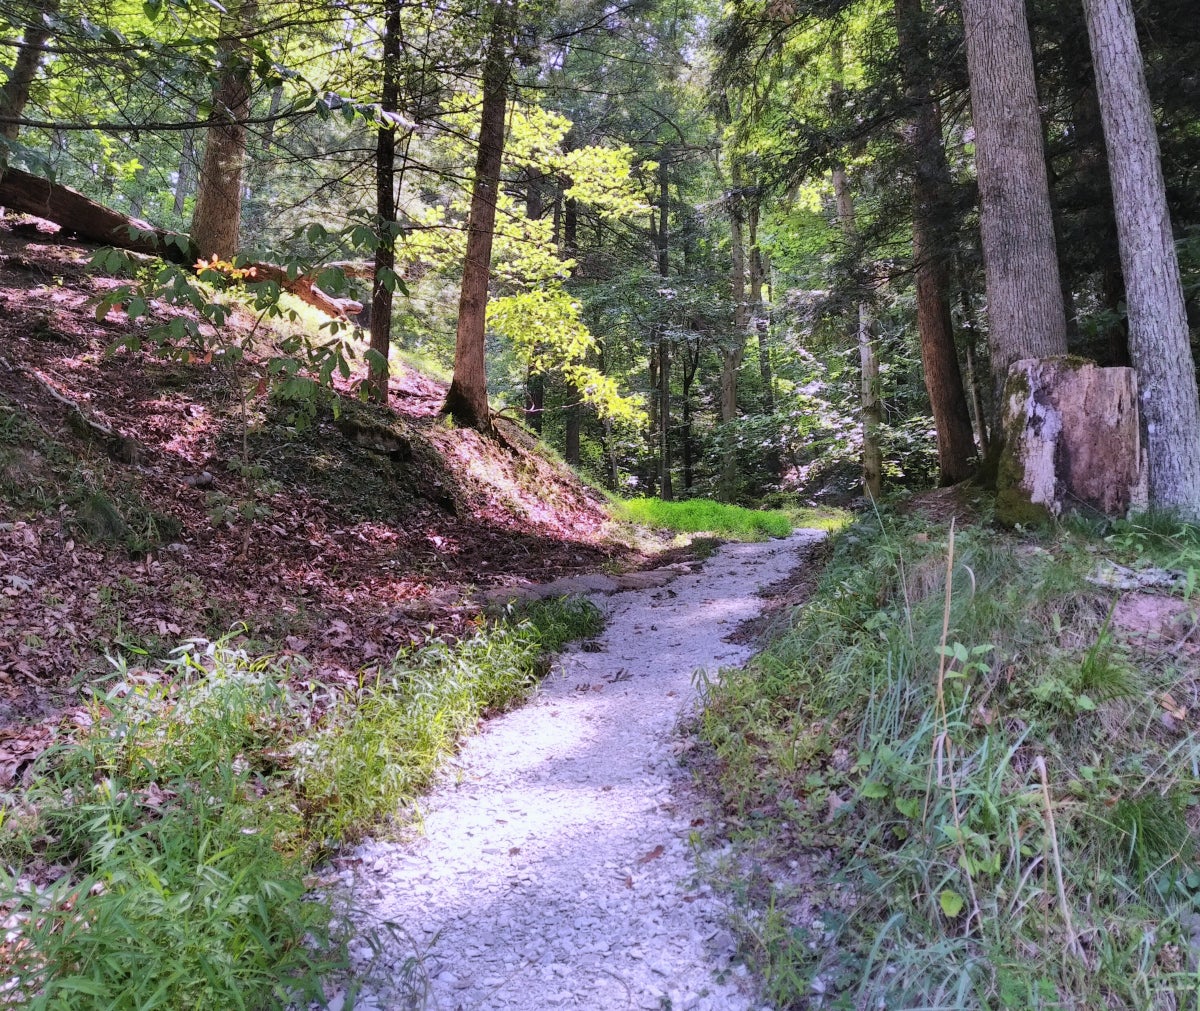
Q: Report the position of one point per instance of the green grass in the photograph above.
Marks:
(188, 815)
(909, 739)
(705, 516)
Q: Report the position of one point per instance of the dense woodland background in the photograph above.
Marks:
(712, 221)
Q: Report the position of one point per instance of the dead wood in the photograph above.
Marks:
(93, 222)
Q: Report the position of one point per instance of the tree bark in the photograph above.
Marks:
(14, 96)
(1026, 318)
(93, 222)
(1159, 342)
(185, 179)
(535, 381)
(217, 218)
(758, 322)
(382, 286)
(931, 182)
(971, 326)
(869, 405)
(466, 401)
(734, 347)
(665, 490)
(572, 426)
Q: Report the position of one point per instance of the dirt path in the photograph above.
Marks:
(555, 869)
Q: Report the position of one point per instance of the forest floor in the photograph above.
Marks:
(557, 862)
(340, 542)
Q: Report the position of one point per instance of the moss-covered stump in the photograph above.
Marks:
(1071, 441)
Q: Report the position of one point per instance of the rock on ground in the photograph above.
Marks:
(556, 867)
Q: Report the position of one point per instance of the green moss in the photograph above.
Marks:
(1013, 508)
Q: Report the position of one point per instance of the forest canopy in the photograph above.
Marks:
(726, 249)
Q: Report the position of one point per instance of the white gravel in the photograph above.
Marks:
(556, 867)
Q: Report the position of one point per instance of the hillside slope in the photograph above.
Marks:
(133, 522)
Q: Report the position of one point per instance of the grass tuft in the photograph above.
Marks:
(187, 815)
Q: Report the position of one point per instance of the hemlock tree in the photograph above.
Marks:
(1026, 318)
(1159, 342)
(930, 185)
(15, 92)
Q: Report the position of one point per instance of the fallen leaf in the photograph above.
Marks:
(1171, 706)
(654, 854)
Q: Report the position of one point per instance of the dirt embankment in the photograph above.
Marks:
(143, 501)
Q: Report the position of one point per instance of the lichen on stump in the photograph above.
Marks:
(1072, 441)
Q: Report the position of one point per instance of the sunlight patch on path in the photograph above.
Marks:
(555, 869)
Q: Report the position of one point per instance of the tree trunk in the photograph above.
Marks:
(217, 217)
(1071, 441)
(971, 326)
(14, 96)
(573, 421)
(466, 401)
(931, 225)
(758, 322)
(383, 284)
(734, 348)
(535, 399)
(1026, 318)
(268, 136)
(93, 222)
(869, 406)
(1158, 329)
(664, 346)
(30, 194)
(535, 382)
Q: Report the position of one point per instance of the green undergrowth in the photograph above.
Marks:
(1007, 777)
(182, 821)
(705, 516)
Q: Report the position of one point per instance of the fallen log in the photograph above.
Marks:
(73, 212)
(304, 289)
(93, 222)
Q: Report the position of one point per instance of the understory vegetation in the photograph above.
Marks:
(706, 516)
(699, 515)
(979, 760)
(182, 821)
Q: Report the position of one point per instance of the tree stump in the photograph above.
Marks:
(1072, 441)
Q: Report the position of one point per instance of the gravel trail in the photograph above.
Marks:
(555, 869)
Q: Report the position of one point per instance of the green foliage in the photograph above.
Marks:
(907, 740)
(190, 809)
(545, 327)
(704, 516)
(178, 895)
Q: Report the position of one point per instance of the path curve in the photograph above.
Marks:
(555, 869)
